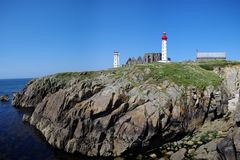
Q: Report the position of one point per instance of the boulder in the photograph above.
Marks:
(26, 118)
(153, 156)
(226, 149)
(4, 98)
(179, 155)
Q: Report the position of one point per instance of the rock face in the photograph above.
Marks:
(231, 76)
(110, 116)
(226, 149)
(229, 148)
(208, 151)
(35, 91)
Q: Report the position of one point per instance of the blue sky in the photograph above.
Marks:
(41, 37)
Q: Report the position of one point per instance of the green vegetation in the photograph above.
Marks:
(182, 74)
(66, 76)
(208, 136)
(117, 72)
(215, 134)
(210, 65)
(204, 138)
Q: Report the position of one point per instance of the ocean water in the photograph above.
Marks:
(19, 140)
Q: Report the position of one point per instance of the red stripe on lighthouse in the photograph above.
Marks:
(164, 37)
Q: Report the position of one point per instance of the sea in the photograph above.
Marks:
(19, 140)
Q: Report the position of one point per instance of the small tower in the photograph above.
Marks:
(164, 47)
(116, 62)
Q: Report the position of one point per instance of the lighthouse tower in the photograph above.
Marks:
(116, 62)
(164, 47)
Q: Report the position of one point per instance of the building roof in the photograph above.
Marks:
(211, 54)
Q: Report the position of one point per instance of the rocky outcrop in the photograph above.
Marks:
(225, 145)
(4, 98)
(229, 147)
(110, 116)
(36, 90)
(231, 78)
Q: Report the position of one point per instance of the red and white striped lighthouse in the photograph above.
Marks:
(164, 47)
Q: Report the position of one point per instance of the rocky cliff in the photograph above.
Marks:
(121, 111)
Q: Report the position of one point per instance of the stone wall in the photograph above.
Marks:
(152, 57)
(147, 58)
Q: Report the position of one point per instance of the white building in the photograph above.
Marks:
(116, 61)
(208, 56)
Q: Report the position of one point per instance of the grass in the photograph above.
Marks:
(118, 72)
(210, 65)
(66, 76)
(182, 74)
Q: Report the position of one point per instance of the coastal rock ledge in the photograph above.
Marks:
(122, 111)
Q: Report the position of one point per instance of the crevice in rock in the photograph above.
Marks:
(109, 109)
(116, 117)
(208, 107)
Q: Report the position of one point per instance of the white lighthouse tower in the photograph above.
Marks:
(116, 62)
(164, 47)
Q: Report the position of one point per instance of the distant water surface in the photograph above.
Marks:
(18, 140)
